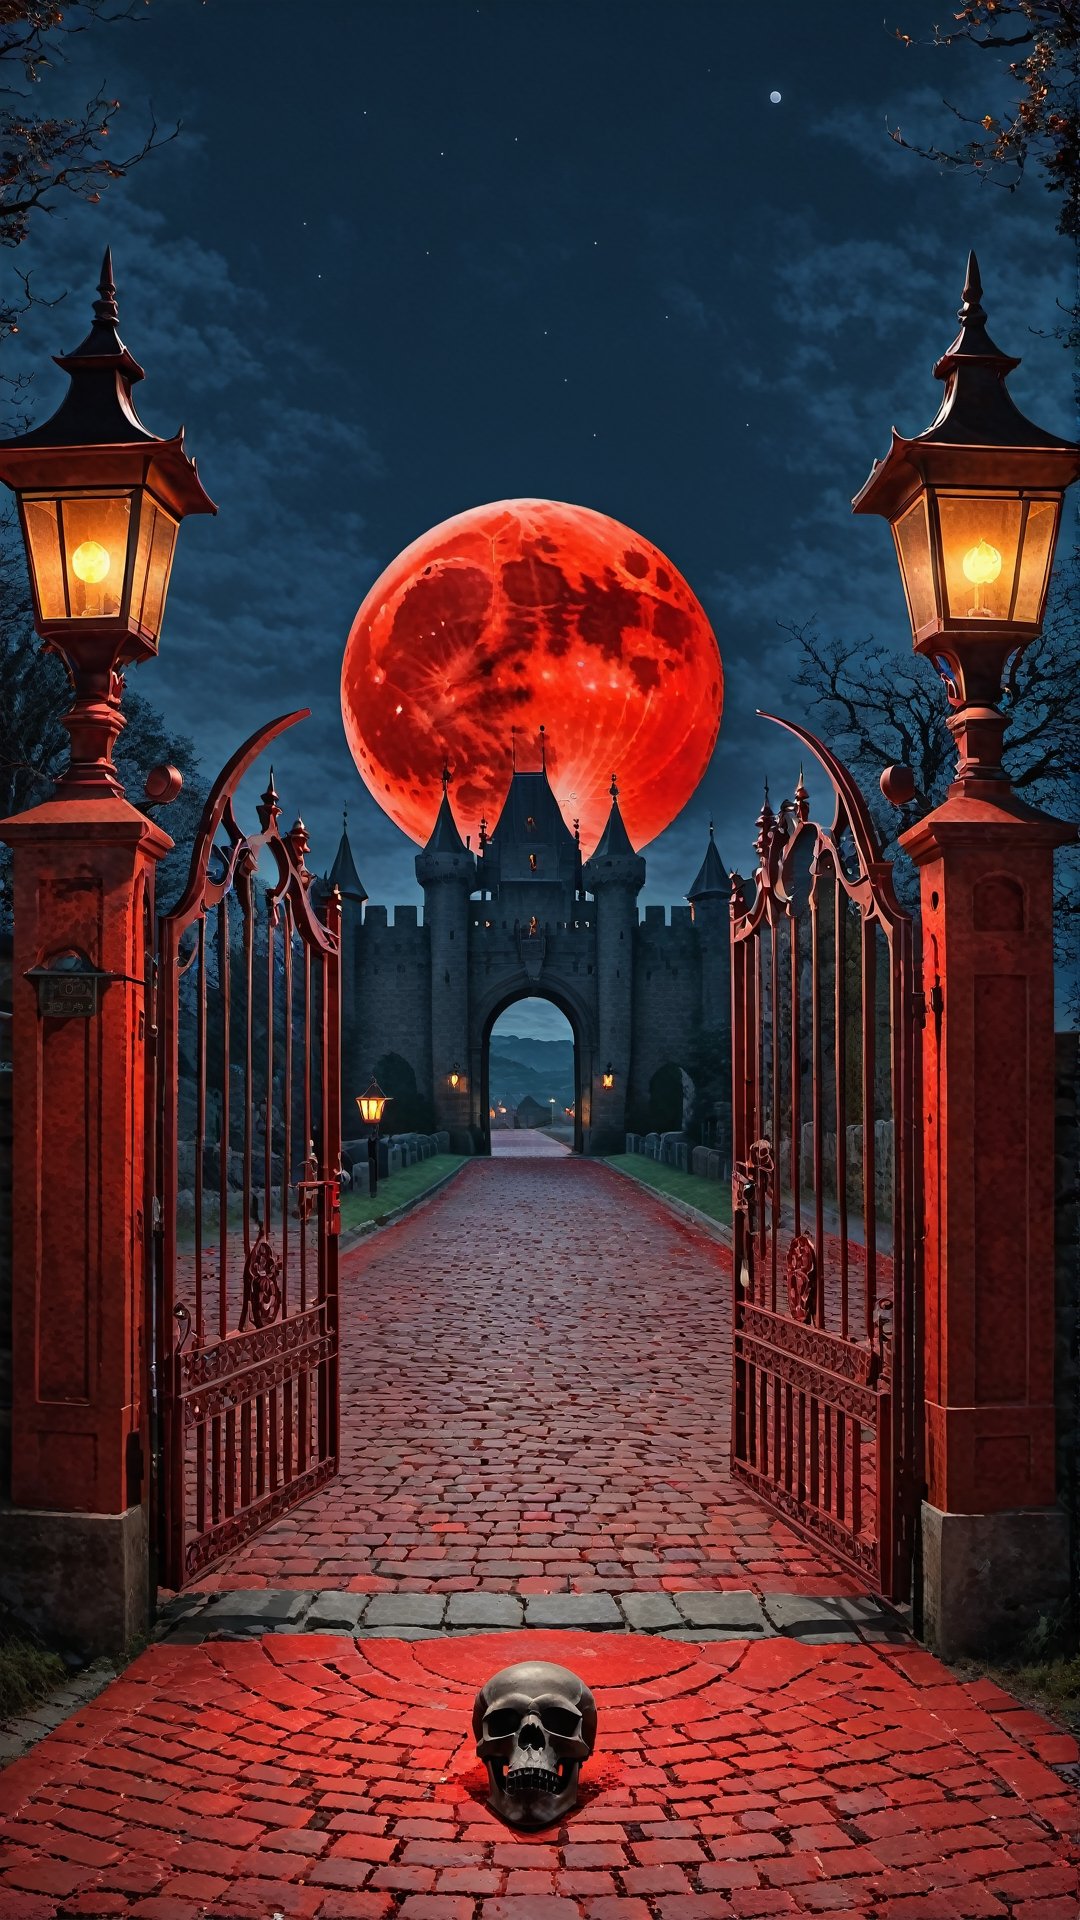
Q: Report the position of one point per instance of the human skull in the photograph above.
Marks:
(534, 1724)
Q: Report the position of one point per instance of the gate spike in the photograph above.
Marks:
(269, 809)
(766, 821)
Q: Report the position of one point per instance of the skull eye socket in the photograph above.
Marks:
(560, 1720)
(501, 1721)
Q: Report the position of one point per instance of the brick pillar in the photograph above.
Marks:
(73, 1546)
(994, 1541)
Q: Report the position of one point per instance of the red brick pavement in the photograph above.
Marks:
(316, 1777)
(535, 1395)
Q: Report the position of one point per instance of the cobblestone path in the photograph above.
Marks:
(317, 1777)
(535, 1398)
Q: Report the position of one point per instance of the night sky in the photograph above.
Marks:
(408, 256)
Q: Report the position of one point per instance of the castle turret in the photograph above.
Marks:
(344, 877)
(615, 875)
(447, 872)
(710, 898)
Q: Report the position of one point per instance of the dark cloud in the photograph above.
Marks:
(503, 250)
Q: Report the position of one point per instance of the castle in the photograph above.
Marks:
(523, 917)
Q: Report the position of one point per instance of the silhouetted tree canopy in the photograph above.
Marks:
(49, 154)
(1037, 42)
(876, 704)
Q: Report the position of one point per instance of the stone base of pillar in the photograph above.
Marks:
(988, 1578)
(82, 1580)
(604, 1139)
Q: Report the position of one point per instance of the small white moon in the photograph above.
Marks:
(776, 98)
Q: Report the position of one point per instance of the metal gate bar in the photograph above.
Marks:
(245, 1303)
(826, 1423)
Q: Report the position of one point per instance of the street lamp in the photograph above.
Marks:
(372, 1105)
(551, 1104)
(100, 498)
(974, 504)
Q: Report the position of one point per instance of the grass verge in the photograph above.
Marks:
(28, 1672)
(396, 1190)
(711, 1197)
(1044, 1672)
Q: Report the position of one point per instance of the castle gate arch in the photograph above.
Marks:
(584, 1055)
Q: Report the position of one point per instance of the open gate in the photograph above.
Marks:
(248, 1120)
(826, 1425)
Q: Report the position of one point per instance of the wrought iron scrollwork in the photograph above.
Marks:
(801, 1272)
(262, 1284)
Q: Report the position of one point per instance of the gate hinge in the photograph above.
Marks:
(935, 1001)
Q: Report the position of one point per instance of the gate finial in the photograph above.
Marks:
(269, 808)
(766, 821)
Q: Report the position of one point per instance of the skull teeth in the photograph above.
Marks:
(532, 1780)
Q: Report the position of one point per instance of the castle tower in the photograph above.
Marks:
(343, 875)
(531, 859)
(710, 898)
(615, 876)
(447, 872)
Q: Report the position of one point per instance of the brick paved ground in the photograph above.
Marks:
(315, 1776)
(535, 1393)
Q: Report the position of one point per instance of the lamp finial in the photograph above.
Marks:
(105, 307)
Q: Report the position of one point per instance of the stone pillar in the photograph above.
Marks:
(73, 1545)
(995, 1548)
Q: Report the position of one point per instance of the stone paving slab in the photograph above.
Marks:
(334, 1779)
(528, 1409)
(247, 1615)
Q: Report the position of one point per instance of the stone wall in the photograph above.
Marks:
(667, 995)
(1067, 1289)
(388, 1006)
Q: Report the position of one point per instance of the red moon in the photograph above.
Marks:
(521, 614)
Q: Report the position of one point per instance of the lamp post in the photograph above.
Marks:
(974, 504)
(372, 1105)
(100, 499)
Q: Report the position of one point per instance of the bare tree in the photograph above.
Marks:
(876, 706)
(1042, 122)
(46, 155)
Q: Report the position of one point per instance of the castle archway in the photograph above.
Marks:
(583, 1051)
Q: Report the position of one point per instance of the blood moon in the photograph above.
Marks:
(516, 615)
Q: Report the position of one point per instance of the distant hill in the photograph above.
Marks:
(521, 1066)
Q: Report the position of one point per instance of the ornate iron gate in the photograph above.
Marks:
(247, 1184)
(826, 1423)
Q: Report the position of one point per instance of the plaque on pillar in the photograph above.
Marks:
(68, 987)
